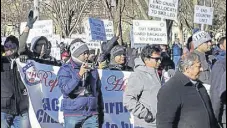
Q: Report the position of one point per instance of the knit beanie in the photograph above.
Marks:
(117, 50)
(78, 48)
(199, 38)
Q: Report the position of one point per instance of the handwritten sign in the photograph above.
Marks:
(149, 32)
(40, 28)
(203, 15)
(165, 9)
(97, 29)
(109, 28)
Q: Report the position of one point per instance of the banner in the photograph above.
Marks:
(149, 32)
(40, 28)
(45, 96)
(203, 15)
(164, 9)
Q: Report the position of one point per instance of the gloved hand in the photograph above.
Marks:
(149, 118)
(31, 19)
(23, 58)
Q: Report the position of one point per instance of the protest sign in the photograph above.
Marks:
(165, 9)
(45, 96)
(203, 15)
(97, 29)
(149, 32)
(56, 53)
(40, 28)
(109, 28)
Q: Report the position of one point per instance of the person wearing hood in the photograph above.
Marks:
(140, 95)
(14, 96)
(202, 44)
(40, 46)
(80, 84)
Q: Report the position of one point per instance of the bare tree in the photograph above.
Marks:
(66, 14)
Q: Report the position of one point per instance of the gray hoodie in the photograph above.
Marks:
(140, 96)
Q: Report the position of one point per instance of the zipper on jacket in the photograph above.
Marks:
(197, 89)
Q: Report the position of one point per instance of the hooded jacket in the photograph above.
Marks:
(31, 52)
(74, 102)
(140, 96)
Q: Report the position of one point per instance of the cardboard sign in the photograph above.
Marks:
(149, 32)
(109, 28)
(165, 9)
(97, 29)
(40, 28)
(203, 15)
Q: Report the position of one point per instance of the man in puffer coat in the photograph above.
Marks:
(81, 89)
(140, 96)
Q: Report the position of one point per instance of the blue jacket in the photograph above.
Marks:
(177, 50)
(219, 54)
(70, 83)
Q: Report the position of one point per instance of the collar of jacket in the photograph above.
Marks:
(184, 79)
(74, 64)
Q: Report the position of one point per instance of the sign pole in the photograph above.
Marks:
(202, 26)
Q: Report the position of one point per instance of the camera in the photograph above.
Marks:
(91, 66)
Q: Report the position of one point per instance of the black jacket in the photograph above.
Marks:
(218, 89)
(181, 104)
(13, 98)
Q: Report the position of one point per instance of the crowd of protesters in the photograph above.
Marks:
(178, 87)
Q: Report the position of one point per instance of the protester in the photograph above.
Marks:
(167, 66)
(177, 52)
(40, 46)
(220, 50)
(217, 89)
(184, 102)
(140, 96)
(14, 96)
(117, 58)
(202, 44)
(80, 84)
(92, 56)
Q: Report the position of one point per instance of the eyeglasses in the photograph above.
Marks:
(156, 58)
(86, 53)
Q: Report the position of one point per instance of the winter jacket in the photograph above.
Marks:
(218, 53)
(218, 89)
(140, 96)
(75, 102)
(205, 74)
(184, 104)
(14, 98)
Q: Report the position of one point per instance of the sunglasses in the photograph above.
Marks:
(156, 58)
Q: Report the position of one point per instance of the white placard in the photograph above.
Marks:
(109, 28)
(165, 9)
(56, 53)
(149, 32)
(40, 28)
(203, 15)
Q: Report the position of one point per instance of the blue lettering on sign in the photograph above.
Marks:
(97, 29)
(43, 117)
(115, 107)
(50, 105)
